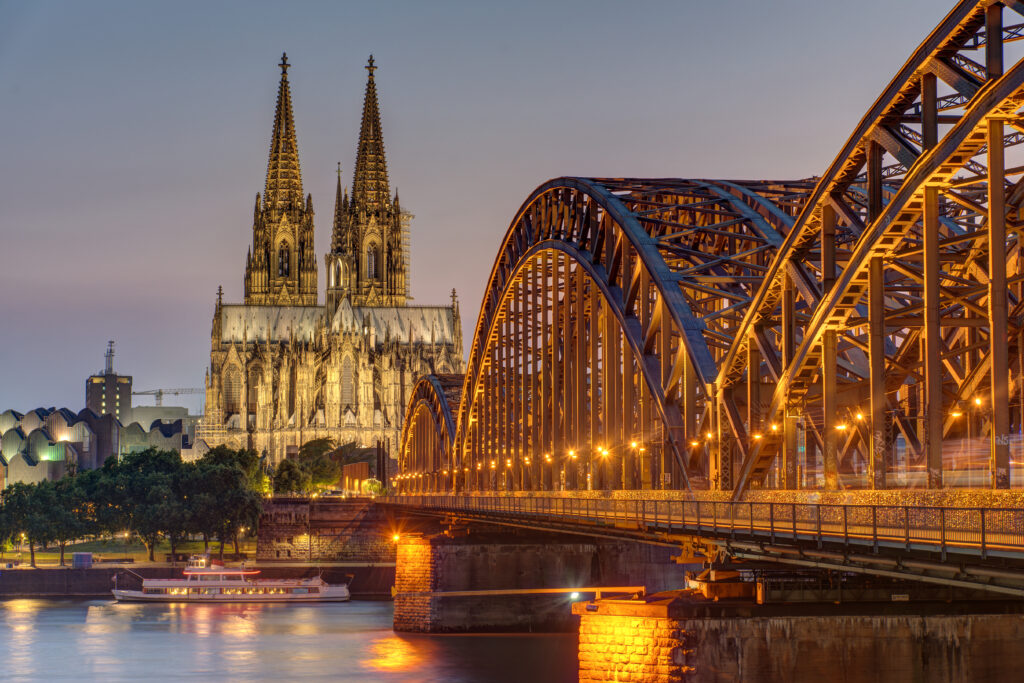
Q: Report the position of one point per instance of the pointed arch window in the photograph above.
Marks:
(348, 383)
(371, 262)
(232, 390)
(284, 258)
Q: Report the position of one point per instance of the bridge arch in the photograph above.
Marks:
(649, 274)
(424, 456)
(895, 343)
(835, 332)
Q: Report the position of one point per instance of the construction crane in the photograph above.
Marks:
(158, 394)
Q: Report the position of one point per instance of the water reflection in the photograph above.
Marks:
(393, 653)
(43, 640)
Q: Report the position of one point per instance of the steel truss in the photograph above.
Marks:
(832, 332)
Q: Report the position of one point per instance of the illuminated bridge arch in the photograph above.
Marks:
(424, 460)
(898, 355)
(597, 343)
(862, 329)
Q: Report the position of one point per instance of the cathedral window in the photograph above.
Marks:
(232, 390)
(348, 383)
(284, 259)
(371, 262)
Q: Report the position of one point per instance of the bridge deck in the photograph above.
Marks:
(987, 543)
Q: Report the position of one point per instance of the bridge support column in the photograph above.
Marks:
(997, 306)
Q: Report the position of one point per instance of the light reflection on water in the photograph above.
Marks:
(48, 640)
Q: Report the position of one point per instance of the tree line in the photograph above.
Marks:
(152, 494)
(155, 495)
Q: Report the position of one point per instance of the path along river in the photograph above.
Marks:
(54, 640)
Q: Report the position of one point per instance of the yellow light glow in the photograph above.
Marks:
(633, 444)
(395, 538)
(860, 416)
(977, 401)
(757, 436)
(695, 443)
(709, 435)
(775, 427)
(841, 428)
(956, 413)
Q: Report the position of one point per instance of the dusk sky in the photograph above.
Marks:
(134, 139)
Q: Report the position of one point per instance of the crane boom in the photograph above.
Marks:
(158, 394)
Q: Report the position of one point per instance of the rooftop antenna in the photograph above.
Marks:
(109, 355)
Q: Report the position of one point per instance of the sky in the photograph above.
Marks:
(134, 138)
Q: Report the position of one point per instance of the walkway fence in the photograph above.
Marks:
(973, 531)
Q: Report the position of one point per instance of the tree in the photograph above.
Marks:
(27, 507)
(319, 459)
(138, 490)
(291, 477)
(70, 516)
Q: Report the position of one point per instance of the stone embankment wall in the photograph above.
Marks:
(368, 582)
(324, 530)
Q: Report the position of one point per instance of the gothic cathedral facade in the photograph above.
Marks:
(284, 369)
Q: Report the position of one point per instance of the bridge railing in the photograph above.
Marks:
(984, 531)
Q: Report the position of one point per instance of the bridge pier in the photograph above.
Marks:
(679, 636)
(434, 573)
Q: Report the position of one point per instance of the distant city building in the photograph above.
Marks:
(285, 370)
(109, 393)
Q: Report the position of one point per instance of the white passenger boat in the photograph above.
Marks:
(207, 582)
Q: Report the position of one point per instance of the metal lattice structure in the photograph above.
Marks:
(858, 329)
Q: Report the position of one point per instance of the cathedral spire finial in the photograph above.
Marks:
(284, 64)
(369, 66)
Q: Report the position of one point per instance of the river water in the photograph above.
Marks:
(53, 640)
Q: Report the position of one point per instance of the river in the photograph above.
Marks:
(76, 640)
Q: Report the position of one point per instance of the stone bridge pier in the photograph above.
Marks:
(483, 581)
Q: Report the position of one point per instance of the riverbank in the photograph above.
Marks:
(370, 581)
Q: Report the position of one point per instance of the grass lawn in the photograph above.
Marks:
(117, 549)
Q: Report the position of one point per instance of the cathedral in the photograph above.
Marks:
(285, 369)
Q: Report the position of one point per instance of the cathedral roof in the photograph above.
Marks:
(280, 323)
(416, 324)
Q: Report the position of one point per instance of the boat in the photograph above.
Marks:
(206, 581)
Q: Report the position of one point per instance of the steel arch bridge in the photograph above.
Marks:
(861, 329)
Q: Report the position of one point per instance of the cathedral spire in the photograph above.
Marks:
(284, 179)
(370, 180)
(339, 215)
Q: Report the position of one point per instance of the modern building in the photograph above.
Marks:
(285, 369)
(47, 443)
(109, 393)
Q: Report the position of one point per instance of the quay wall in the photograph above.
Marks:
(324, 530)
(369, 582)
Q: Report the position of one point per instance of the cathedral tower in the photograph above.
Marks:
(368, 261)
(280, 268)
